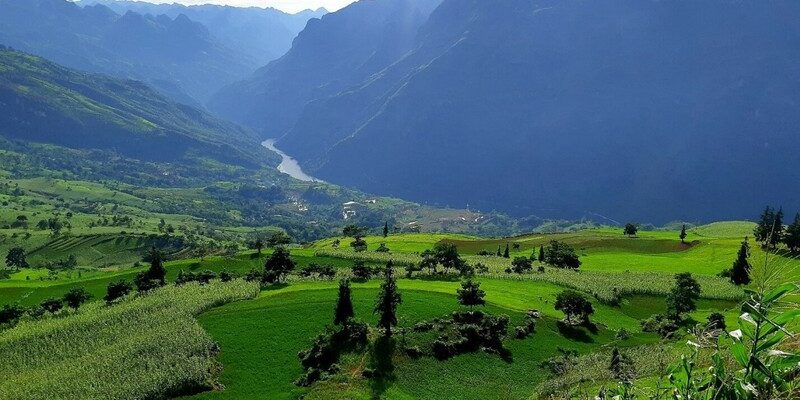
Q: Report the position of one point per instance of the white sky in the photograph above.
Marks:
(285, 5)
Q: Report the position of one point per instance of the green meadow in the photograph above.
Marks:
(256, 336)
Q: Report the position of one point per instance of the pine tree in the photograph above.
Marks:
(764, 228)
(541, 253)
(776, 235)
(388, 300)
(156, 272)
(792, 237)
(740, 272)
(499, 253)
(506, 253)
(470, 294)
(385, 229)
(344, 304)
(683, 234)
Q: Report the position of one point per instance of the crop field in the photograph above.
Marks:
(200, 347)
(145, 347)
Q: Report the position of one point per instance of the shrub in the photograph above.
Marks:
(52, 305)
(116, 290)
(10, 313)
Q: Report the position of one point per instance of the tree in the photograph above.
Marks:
(506, 253)
(278, 265)
(521, 265)
(359, 244)
(361, 271)
(388, 300)
(683, 234)
(740, 271)
(621, 366)
(75, 297)
(344, 304)
(471, 294)
(385, 229)
(116, 290)
(792, 236)
(446, 254)
(499, 253)
(541, 253)
(631, 229)
(683, 296)
(156, 272)
(575, 307)
(777, 230)
(52, 305)
(278, 238)
(16, 258)
(258, 245)
(763, 230)
(353, 231)
(561, 255)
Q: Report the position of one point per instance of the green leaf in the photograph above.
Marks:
(773, 340)
(739, 353)
(786, 317)
(778, 292)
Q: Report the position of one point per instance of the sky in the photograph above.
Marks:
(291, 6)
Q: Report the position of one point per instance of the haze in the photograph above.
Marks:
(285, 5)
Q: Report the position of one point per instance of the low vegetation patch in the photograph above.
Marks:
(146, 347)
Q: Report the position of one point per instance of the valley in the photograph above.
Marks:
(399, 199)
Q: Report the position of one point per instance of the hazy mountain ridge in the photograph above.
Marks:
(328, 56)
(175, 54)
(44, 102)
(627, 109)
(263, 34)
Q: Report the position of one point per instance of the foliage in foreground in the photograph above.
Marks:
(147, 347)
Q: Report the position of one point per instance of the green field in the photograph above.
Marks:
(259, 339)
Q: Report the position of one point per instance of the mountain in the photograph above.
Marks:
(331, 54)
(632, 110)
(176, 55)
(47, 103)
(263, 34)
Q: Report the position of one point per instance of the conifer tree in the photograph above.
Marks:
(764, 228)
(499, 253)
(156, 272)
(388, 300)
(740, 272)
(344, 304)
(776, 235)
(506, 253)
(541, 253)
(683, 234)
(470, 294)
(792, 236)
(385, 229)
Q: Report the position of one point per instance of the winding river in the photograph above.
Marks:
(289, 165)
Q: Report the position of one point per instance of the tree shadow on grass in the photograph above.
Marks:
(436, 278)
(275, 286)
(382, 366)
(574, 332)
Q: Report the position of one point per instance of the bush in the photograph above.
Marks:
(52, 305)
(116, 290)
(10, 313)
(361, 271)
(660, 324)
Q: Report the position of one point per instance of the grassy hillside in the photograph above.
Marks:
(259, 339)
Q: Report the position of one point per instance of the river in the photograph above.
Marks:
(289, 165)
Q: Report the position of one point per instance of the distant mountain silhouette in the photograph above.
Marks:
(174, 54)
(263, 34)
(637, 110)
(329, 55)
(43, 102)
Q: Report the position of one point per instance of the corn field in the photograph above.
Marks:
(142, 348)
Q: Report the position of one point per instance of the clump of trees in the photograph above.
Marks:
(631, 229)
(681, 300)
(575, 307)
(278, 266)
(445, 255)
(117, 290)
(16, 258)
(561, 255)
(321, 271)
(770, 230)
(155, 275)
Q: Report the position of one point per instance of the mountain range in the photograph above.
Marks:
(637, 110)
(175, 54)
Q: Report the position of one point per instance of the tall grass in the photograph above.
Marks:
(143, 348)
